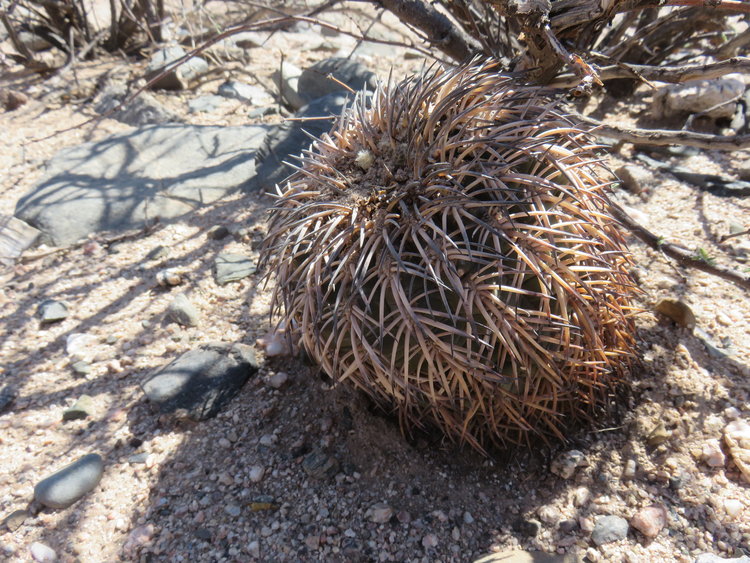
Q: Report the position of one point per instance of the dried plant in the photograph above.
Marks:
(449, 249)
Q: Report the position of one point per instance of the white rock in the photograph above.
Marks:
(253, 548)
(81, 346)
(712, 454)
(430, 540)
(696, 96)
(42, 553)
(549, 514)
(737, 439)
(256, 473)
(379, 513)
(278, 380)
(732, 507)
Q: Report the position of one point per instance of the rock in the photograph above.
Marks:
(137, 538)
(320, 465)
(334, 75)
(566, 463)
(737, 439)
(252, 95)
(289, 139)
(744, 172)
(52, 311)
(256, 473)
(658, 435)
(696, 96)
(157, 253)
(549, 514)
(42, 553)
(527, 527)
(429, 541)
(634, 178)
(274, 343)
(516, 556)
(379, 513)
(233, 267)
(278, 380)
(178, 78)
(182, 311)
(630, 468)
(205, 104)
(712, 454)
(201, 381)
(127, 180)
(253, 548)
(568, 525)
(81, 346)
(82, 408)
(608, 529)
(81, 368)
(7, 396)
(650, 520)
(15, 519)
(140, 111)
(217, 232)
(15, 237)
(11, 99)
(233, 510)
(679, 311)
(712, 558)
(72, 482)
(468, 518)
(733, 507)
(169, 277)
(287, 80)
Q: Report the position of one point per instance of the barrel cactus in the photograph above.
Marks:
(448, 249)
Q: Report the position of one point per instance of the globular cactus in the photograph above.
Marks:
(448, 249)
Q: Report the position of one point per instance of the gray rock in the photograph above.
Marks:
(233, 267)
(233, 510)
(51, 311)
(205, 104)
(83, 408)
(695, 96)
(140, 111)
(320, 465)
(253, 95)
(141, 457)
(15, 237)
(201, 381)
(712, 558)
(744, 171)
(178, 78)
(127, 180)
(528, 527)
(42, 553)
(608, 529)
(333, 75)
(182, 311)
(289, 139)
(287, 79)
(69, 484)
(516, 556)
(15, 519)
(566, 463)
(81, 368)
(7, 396)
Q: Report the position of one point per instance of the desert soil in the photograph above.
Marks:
(195, 494)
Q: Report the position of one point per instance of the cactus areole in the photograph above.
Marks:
(448, 248)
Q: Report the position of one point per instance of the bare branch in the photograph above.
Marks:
(667, 137)
(684, 256)
(671, 74)
(440, 31)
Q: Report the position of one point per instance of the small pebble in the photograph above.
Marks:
(278, 380)
(629, 471)
(650, 520)
(679, 311)
(233, 510)
(168, 278)
(253, 548)
(256, 473)
(566, 463)
(468, 518)
(15, 519)
(608, 529)
(66, 486)
(42, 553)
(429, 541)
(379, 513)
(732, 507)
(52, 311)
(83, 408)
(712, 454)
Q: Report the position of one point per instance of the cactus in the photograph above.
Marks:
(448, 249)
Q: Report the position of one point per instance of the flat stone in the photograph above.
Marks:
(52, 311)
(127, 180)
(205, 104)
(72, 482)
(15, 519)
(608, 529)
(182, 311)
(178, 78)
(142, 110)
(679, 311)
(201, 381)
(696, 96)
(253, 95)
(634, 178)
(713, 558)
(233, 267)
(334, 75)
(15, 237)
(516, 556)
(83, 408)
(81, 367)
